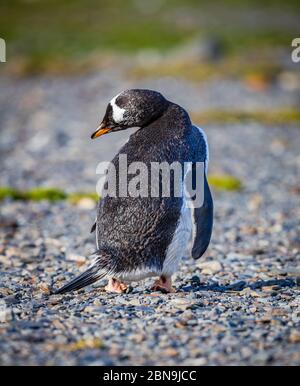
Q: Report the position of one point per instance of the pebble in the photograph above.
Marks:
(77, 258)
(210, 267)
(5, 312)
(294, 336)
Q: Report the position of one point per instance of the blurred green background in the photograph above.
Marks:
(235, 55)
(71, 35)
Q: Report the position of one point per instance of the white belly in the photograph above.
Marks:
(137, 275)
(180, 243)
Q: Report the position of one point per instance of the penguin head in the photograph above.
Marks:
(131, 108)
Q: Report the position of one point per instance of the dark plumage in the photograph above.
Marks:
(139, 237)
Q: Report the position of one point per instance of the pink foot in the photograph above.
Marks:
(163, 284)
(115, 286)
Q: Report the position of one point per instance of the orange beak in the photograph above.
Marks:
(100, 131)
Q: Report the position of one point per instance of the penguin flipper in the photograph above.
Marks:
(93, 228)
(203, 222)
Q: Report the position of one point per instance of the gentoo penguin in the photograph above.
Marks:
(140, 237)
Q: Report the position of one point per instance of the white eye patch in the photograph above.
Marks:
(117, 112)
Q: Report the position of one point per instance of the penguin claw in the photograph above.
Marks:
(164, 285)
(116, 286)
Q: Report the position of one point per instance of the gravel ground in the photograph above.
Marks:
(239, 304)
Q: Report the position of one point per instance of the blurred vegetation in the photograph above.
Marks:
(280, 117)
(224, 182)
(247, 67)
(35, 194)
(75, 198)
(6, 192)
(218, 181)
(48, 194)
(82, 344)
(45, 35)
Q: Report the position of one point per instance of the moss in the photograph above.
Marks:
(35, 194)
(82, 344)
(224, 182)
(50, 194)
(74, 198)
(6, 192)
(221, 182)
(276, 117)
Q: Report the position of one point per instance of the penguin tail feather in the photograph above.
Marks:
(95, 272)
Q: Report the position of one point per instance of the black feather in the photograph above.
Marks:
(88, 277)
(103, 264)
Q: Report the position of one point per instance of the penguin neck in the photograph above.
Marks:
(173, 117)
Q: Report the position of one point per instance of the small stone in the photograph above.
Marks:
(134, 302)
(255, 202)
(238, 286)
(11, 300)
(170, 352)
(54, 299)
(246, 352)
(5, 260)
(294, 336)
(89, 309)
(195, 279)
(5, 313)
(210, 267)
(139, 338)
(58, 325)
(4, 291)
(79, 259)
(249, 292)
(180, 303)
(44, 288)
(181, 324)
(252, 310)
